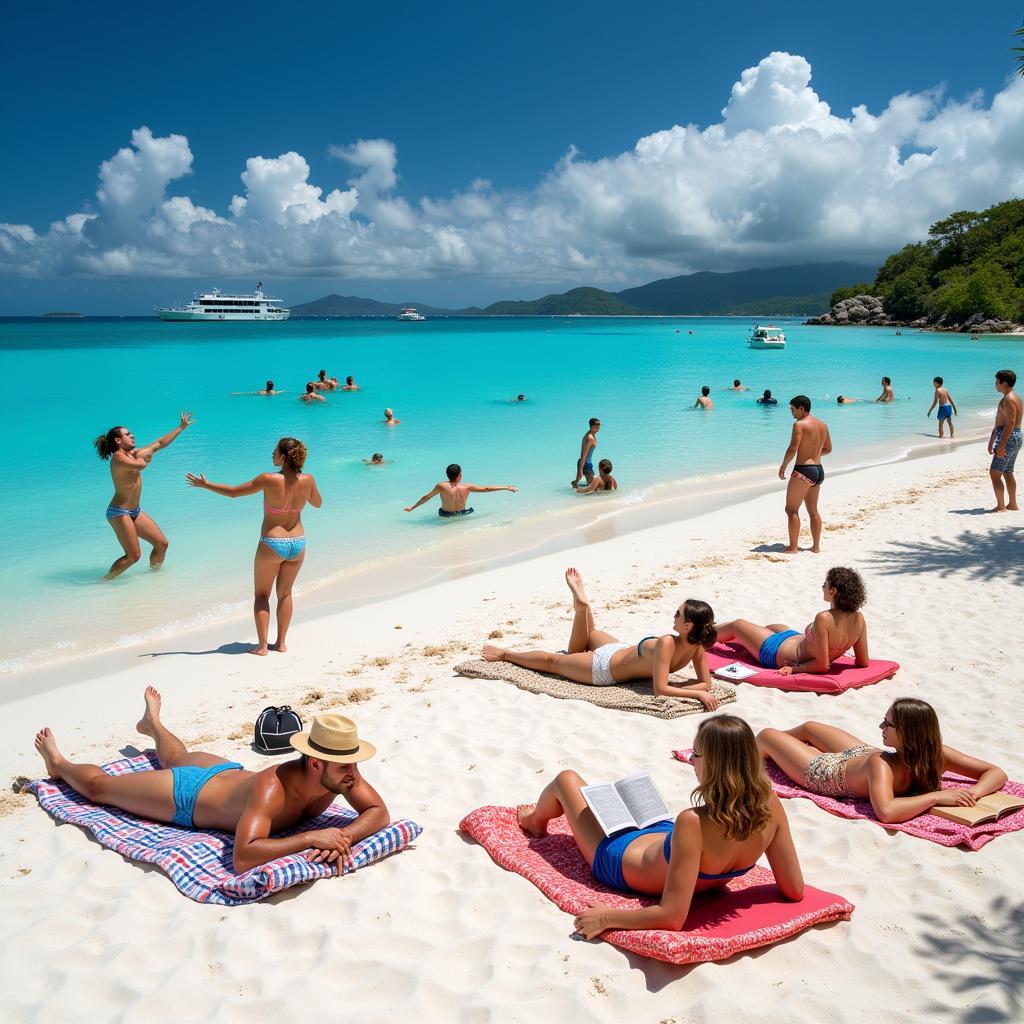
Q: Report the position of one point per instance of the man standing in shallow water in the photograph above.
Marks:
(809, 441)
(454, 493)
(585, 463)
(1004, 443)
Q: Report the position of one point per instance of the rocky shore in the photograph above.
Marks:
(868, 311)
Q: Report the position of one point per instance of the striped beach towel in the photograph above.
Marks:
(200, 863)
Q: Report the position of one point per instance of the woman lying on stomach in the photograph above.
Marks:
(597, 658)
(900, 785)
(736, 819)
(830, 635)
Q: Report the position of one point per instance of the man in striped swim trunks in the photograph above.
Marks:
(1004, 443)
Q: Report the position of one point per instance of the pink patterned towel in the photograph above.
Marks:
(200, 863)
(924, 826)
(843, 675)
(749, 914)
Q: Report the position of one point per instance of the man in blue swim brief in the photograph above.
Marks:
(455, 494)
(585, 463)
(203, 791)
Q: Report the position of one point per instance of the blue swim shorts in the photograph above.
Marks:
(945, 412)
(768, 655)
(188, 782)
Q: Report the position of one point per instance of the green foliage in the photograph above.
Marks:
(1019, 50)
(848, 292)
(973, 262)
(587, 301)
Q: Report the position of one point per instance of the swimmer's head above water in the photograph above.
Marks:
(520, 398)
(705, 391)
(454, 473)
(270, 385)
(604, 467)
(377, 458)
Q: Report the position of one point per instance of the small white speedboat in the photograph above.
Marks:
(767, 337)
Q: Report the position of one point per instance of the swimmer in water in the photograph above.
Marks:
(377, 459)
(389, 418)
(846, 399)
(351, 385)
(704, 401)
(325, 383)
(268, 390)
(604, 481)
(454, 493)
(737, 386)
(766, 398)
(311, 394)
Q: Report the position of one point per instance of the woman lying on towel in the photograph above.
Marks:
(597, 658)
(735, 819)
(900, 785)
(830, 635)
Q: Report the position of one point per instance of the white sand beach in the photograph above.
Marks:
(440, 932)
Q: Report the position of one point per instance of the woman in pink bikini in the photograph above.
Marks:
(282, 547)
(832, 633)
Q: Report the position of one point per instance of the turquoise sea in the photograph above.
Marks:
(451, 383)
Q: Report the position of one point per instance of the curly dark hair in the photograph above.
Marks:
(851, 594)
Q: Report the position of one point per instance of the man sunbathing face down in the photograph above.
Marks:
(597, 658)
(194, 789)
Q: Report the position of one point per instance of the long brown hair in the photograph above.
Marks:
(921, 741)
(294, 453)
(734, 787)
(106, 444)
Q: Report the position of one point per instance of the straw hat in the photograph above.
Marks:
(333, 738)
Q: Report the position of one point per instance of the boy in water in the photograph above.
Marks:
(704, 401)
(454, 493)
(947, 407)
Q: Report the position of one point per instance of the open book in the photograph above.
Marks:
(629, 803)
(735, 671)
(988, 808)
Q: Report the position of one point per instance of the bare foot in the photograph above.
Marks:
(524, 815)
(46, 745)
(261, 651)
(1013, 508)
(579, 595)
(148, 722)
(998, 508)
(279, 647)
(492, 653)
(790, 551)
(816, 551)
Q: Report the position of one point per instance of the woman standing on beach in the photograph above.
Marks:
(124, 513)
(282, 546)
(736, 818)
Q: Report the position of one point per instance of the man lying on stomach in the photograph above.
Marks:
(204, 791)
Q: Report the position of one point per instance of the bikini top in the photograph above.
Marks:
(703, 875)
(278, 511)
(833, 653)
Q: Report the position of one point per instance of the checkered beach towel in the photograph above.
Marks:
(200, 863)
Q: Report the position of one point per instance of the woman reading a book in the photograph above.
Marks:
(901, 784)
(599, 659)
(830, 635)
(736, 818)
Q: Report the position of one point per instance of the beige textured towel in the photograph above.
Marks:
(635, 696)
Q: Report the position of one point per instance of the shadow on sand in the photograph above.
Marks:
(235, 647)
(980, 556)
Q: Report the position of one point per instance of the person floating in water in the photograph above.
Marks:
(887, 394)
(389, 418)
(766, 398)
(947, 407)
(454, 493)
(194, 789)
(704, 401)
(737, 386)
(124, 513)
(846, 400)
(350, 384)
(377, 459)
(809, 441)
(268, 390)
(282, 545)
(585, 463)
(520, 398)
(311, 394)
(604, 481)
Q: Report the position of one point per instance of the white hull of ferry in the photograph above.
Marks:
(183, 314)
(767, 344)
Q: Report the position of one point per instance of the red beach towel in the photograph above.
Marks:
(925, 826)
(749, 914)
(843, 675)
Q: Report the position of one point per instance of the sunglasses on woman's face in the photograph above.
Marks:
(886, 724)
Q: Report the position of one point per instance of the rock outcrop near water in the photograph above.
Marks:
(869, 311)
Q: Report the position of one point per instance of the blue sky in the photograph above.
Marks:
(460, 91)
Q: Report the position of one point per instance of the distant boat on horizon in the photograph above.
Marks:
(216, 305)
(410, 313)
(767, 337)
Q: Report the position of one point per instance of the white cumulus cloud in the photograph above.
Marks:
(780, 178)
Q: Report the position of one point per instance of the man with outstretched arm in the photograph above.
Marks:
(454, 493)
(203, 791)
(809, 441)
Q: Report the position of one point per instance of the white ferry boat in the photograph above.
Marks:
(766, 337)
(410, 313)
(218, 305)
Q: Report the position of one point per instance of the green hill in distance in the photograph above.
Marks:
(586, 301)
(353, 305)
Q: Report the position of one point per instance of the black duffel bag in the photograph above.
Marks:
(274, 728)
